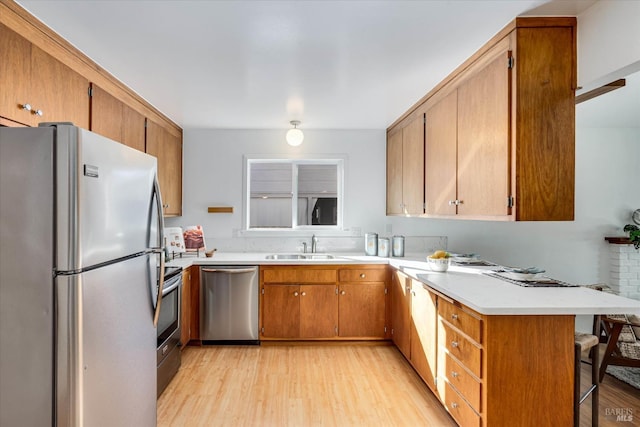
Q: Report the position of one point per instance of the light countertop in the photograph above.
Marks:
(484, 294)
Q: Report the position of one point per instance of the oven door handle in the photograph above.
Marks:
(229, 270)
(170, 288)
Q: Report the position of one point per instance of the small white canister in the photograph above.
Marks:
(397, 246)
(371, 244)
(383, 247)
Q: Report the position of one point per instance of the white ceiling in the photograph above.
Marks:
(259, 64)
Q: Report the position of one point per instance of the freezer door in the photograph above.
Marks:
(104, 199)
(106, 369)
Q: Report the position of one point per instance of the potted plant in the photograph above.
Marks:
(634, 234)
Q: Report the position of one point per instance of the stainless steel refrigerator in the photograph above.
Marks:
(81, 231)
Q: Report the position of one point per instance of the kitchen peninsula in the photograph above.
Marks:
(488, 349)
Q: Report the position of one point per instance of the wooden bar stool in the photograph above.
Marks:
(586, 343)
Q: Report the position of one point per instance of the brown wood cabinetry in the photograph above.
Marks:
(323, 302)
(35, 87)
(405, 169)
(490, 375)
(166, 145)
(41, 69)
(413, 323)
(114, 119)
(362, 292)
(500, 131)
(185, 306)
(487, 370)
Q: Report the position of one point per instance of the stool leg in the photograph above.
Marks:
(595, 397)
(576, 386)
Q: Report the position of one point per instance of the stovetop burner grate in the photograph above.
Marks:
(544, 282)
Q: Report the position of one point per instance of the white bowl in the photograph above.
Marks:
(438, 264)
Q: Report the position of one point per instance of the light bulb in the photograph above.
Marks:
(294, 137)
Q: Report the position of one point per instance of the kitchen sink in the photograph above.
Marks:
(300, 256)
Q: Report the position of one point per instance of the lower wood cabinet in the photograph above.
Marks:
(313, 302)
(413, 323)
(487, 370)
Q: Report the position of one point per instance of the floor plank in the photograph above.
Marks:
(327, 385)
(290, 385)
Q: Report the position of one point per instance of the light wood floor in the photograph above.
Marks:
(329, 385)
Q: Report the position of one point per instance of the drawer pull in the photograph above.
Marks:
(295, 294)
(454, 405)
(343, 293)
(362, 276)
(454, 374)
(304, 293)
(454, 317)
(454, 344)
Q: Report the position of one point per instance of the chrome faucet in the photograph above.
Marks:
(314, 244)
(304, 247)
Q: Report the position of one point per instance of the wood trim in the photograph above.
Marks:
(618, 240)
(36, 32)
(521, 22)
(601, 90)
(220, 209)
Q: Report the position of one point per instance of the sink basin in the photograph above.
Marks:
(300, 256)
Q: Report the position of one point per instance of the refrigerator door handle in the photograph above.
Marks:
(156, 314)
(159, 250)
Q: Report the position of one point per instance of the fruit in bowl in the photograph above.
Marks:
(439, 261)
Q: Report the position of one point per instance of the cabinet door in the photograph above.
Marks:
(394, 173)
(167, 148)
(441, 156)
(361, 310)
(185, 306)
(114, 119)
(413, 167)
(318, 311)
(483, 140)
(281, 311)
(400, 313)
(423, 332)
(59, 92)
(15, 76)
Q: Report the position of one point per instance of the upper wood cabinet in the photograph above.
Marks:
(500, 130)
(405, 169)
(35, 87)
(166, 146)
(116, 120)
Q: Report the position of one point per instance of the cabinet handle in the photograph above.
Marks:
(452, 202)
(362, 276)
(454, 317)
(343, 293)
(38, 112)
(26, 107)
(454, 374)
(454, 405)
(295, 294)
(454, 344)
(303, 294)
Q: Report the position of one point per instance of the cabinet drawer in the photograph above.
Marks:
(363, 275)
(461, 319)
(461, 348)
(458, 408)
(303, 275)
(463, 382)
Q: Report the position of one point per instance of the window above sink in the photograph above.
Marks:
(293, 194)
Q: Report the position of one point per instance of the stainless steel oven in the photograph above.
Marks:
(168, 353)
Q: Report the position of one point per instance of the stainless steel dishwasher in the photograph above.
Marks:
(229, 304)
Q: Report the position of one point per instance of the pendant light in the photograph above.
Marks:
(295, 135)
